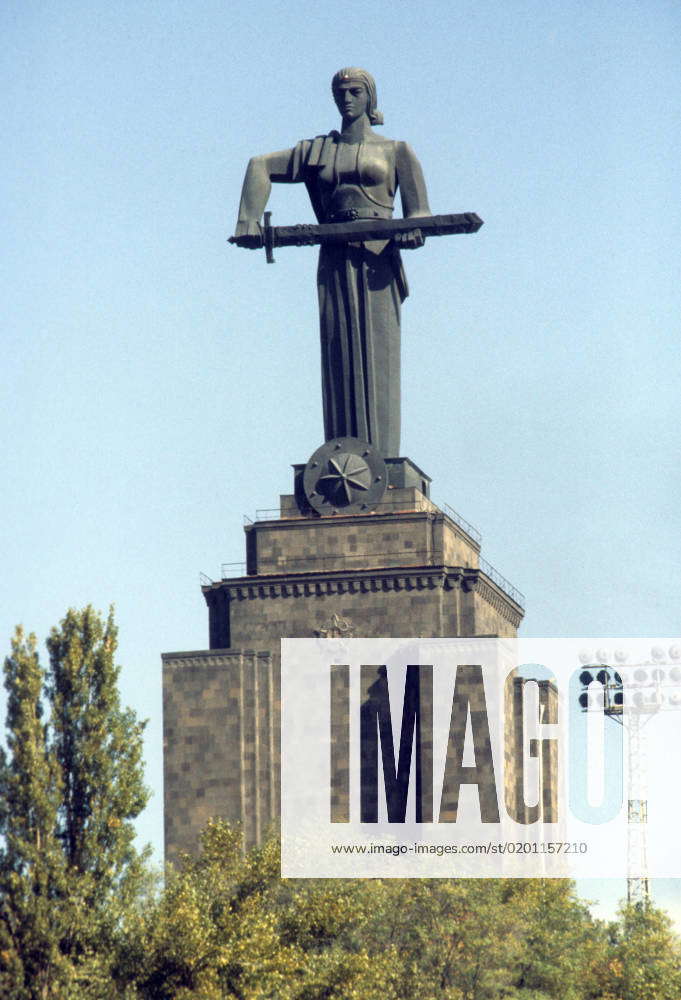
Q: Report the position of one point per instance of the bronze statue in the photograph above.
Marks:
(352, 175)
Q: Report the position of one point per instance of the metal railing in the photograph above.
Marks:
(454, 516)
(267, 514)
(385, 507)
(502, 582)
(233, 569)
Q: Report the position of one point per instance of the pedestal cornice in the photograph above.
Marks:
(367, 580)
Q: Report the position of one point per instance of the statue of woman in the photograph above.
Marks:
(352, 174)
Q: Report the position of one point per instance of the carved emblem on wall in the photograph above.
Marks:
(337, 627)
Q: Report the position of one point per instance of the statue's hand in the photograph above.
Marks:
(248, 234)
(410, 241)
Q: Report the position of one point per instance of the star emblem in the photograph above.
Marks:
(345, 473)
(344, 476)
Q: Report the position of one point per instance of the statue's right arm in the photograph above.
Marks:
(260, 173)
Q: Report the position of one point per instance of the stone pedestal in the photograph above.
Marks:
(407, 569)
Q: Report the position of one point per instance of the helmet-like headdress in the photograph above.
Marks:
(355, 73)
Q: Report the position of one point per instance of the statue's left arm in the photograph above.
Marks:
(413, 192)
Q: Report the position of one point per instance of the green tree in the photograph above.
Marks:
(226, 926)
(561, 947)
(33, 921)
(213, 932)
(98, 749)
(644, 961)
(72, 784)
(330, 923)
(454, 939)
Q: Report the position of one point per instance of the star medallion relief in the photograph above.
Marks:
(344, 476)
(345, 473)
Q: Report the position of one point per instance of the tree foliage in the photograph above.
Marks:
(33, 921)
(644, 959)
(79, 919)
(227, 926)
(71, 783)
(98, 749)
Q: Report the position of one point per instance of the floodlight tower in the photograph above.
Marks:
(652, 687)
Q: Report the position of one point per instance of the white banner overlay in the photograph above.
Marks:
(441, 758)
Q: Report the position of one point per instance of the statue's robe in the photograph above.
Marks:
(361, 286)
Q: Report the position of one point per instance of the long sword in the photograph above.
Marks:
(357, 231)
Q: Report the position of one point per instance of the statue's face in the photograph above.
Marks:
(352, 99)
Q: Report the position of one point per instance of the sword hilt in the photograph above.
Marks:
(264, 238)
(268, 238)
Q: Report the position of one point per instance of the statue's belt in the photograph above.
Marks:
(359, 230)
(353, 214)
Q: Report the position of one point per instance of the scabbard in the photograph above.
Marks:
(374, 229)
(361, 230)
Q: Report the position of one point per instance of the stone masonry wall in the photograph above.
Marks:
(409, 571)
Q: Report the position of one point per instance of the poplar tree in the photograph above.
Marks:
(33, 918)
(72, 786)
(98, 749)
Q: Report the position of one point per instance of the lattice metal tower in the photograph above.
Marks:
(652, 686)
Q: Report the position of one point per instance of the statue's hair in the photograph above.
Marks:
(355, 73)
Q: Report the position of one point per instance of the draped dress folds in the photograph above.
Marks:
(361, 286)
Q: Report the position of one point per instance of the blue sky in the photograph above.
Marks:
(159, 383)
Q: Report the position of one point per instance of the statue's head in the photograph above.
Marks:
(353, 75)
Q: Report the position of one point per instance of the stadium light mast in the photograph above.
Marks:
(651, 687)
